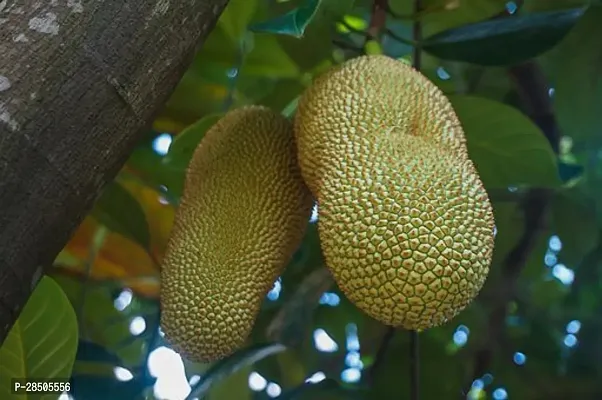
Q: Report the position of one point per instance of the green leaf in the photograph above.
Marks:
(578, 76)
(439, 15)
(235, 386)
(503, 41)
(315, 48)
(236, 16)
(100, 322)
(293, 23)
(232, 364)
(506, 147)
(119, 211)
(42, 343)
(268, 59)
(172, 169)
(184, 144)
(219, 48)
(574, 221)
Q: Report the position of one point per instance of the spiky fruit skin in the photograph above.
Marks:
(242, 215)
(408, 239)
(405, 224)
(369, 95)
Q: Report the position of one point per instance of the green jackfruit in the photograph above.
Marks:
(405, 224)
(242, 215)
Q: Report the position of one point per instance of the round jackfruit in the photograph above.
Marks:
(369, 95)
(405, 224)
(242, 215)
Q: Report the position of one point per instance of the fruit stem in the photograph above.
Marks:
(414, 365)
(378, 19)
(417, 37)
(382, 351)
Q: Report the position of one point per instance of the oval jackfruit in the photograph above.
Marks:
(407, 238)
(405, 224)
(242, 215)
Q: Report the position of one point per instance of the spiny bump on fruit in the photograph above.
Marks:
(369, 95)
(406, 237)
(405, 224)
(242, 215)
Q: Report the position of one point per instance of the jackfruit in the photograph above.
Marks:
(369, 95)
(405, 223)
(242, 215)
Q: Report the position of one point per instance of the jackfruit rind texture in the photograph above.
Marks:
(369, 95)
(243, 214)
(405, 224)
(408, 239)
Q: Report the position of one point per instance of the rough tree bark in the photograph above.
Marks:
(79, 80)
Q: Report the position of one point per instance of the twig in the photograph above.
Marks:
(368, 35)
(380, 353)
(533, 91)
(287, 325)
(417, 37)
(378, 19)
(341, 44)
(398, 38)
(416, 16)
(414, 365)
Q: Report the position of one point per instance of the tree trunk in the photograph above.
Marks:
(79, 81)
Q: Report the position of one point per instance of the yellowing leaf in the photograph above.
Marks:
(120, 258)
(158, 214)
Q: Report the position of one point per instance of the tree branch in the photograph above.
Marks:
(288, 324)
(80, 83)
(533, 91)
